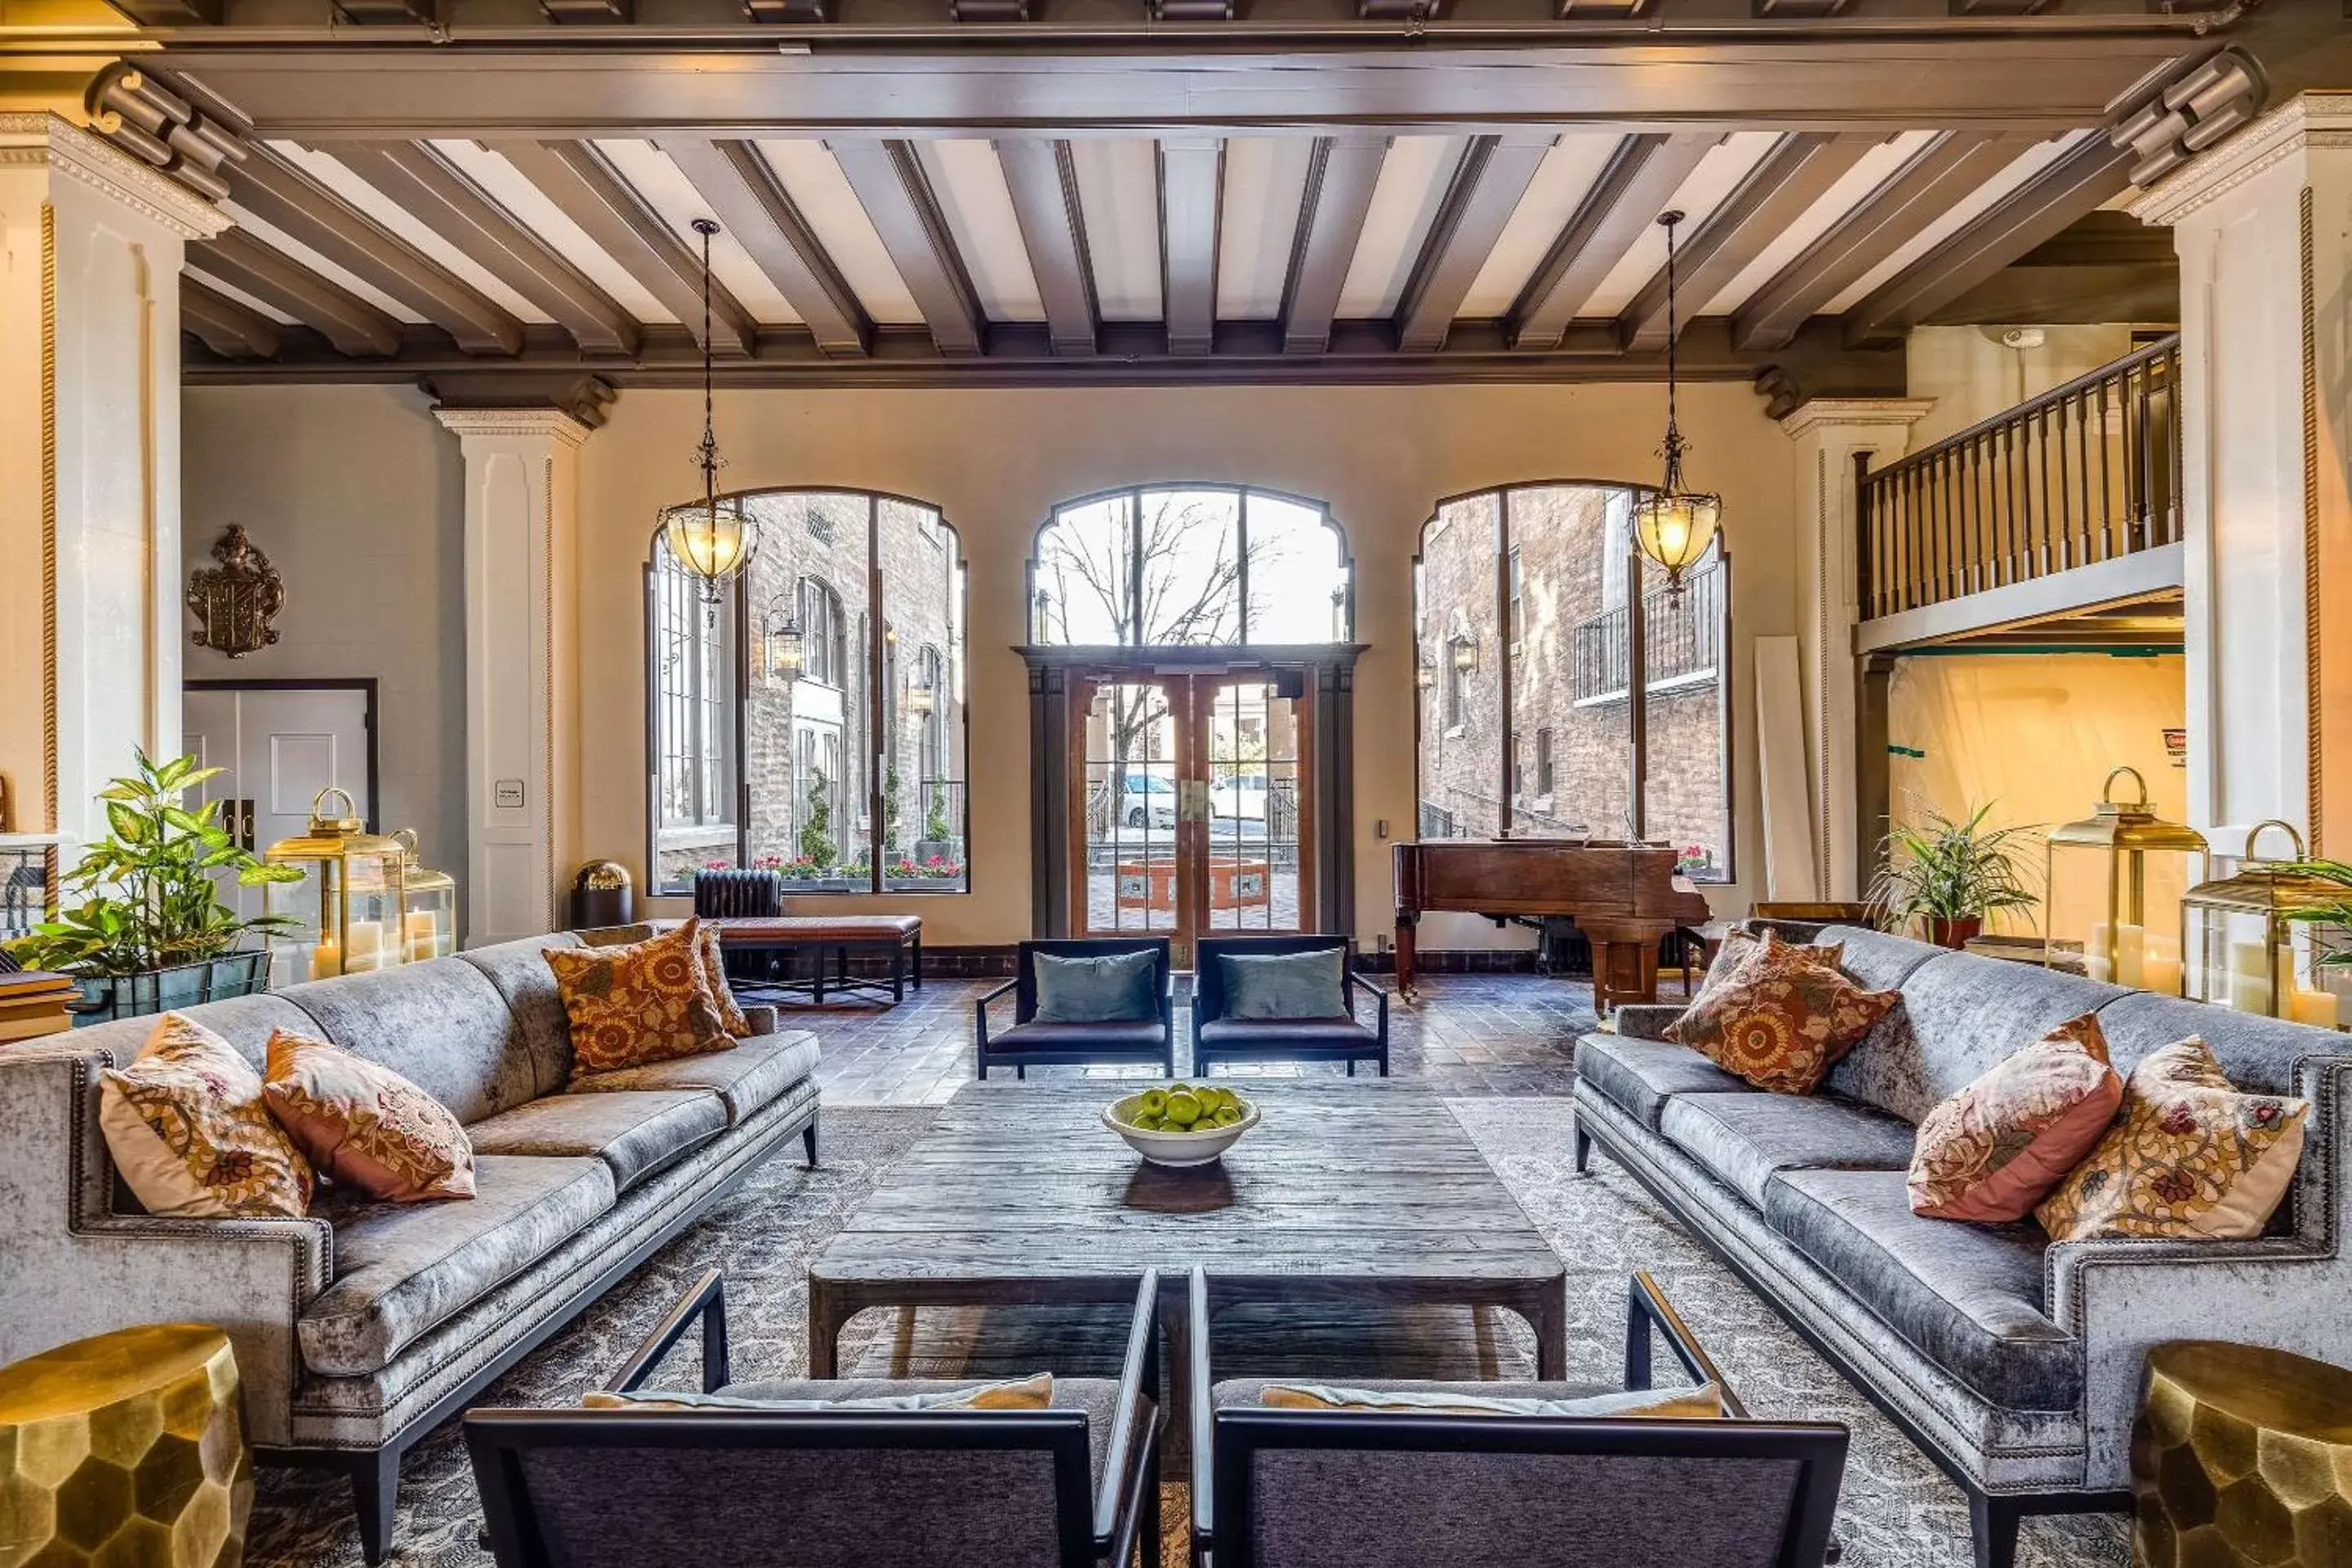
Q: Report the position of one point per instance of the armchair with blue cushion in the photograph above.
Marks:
(1278, 1016)
(1138, 1027)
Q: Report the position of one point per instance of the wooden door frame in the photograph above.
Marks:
(363, 684)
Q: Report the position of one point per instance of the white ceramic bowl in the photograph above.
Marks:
(1197, 1147)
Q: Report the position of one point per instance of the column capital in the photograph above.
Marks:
(2309, 119)
(46, 139)
(519, 403)
(1854, 413)
(547, 423)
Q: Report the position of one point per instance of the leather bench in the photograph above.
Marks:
(781, 936)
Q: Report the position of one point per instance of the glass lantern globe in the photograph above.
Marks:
(2247, 949)
(428, 922)
(2115, 881)
(348, 904)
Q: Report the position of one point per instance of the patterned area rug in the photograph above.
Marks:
(1896, 1511)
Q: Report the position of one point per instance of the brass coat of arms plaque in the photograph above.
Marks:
(236, 601)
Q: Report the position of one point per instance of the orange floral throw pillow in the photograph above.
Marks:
(2190, 1157)
(648, 1001)
(1738, 946)
(1998, 1147)
(714, 975)
(189, 1130)
(364, 1125)
(1782, 1018)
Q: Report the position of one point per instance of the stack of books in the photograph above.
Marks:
(33, 1002)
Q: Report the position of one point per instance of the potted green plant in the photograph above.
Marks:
(2329, 951)
(142, 927)
(1948, 875)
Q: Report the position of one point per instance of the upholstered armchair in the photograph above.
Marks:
(1030, 1042)
(1218, 1036)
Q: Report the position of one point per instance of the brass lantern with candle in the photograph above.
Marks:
(348, 904)
(2115, 881)
(428, 922)
(2241, 934)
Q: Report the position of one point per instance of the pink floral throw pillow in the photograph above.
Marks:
(1996, 1148)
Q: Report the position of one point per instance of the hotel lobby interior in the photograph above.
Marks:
(1248, 783)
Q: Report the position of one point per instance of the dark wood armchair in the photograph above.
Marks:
(1346, 1039)
(1029, 1043)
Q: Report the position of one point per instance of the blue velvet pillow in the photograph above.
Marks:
(1286, 985)
(1115, 988)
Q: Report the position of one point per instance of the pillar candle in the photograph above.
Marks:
(326, 959)
(2096, 966)
(365, 941)
(422, 929)
(2317, 1007)
(2128, 954)
(2161, 975)
(2250, 976)
(2095, 945)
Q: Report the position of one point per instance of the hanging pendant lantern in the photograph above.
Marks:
(1674, 526)
(713, 541)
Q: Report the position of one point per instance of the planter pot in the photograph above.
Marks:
(105, 997)
(924, 849)
(1955, 934)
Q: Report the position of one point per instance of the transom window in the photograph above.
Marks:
(1191, 566)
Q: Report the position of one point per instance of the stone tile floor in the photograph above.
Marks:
(1468, 1036)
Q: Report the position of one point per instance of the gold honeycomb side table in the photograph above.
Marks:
(125, 1451)
(2243, 1456)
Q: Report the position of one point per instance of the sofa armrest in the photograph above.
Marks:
(1645, 1020)
(760, 1017)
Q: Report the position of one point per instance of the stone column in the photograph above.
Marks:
(2264, 226)
(90, 622)
(1830, 434)
(522, 721)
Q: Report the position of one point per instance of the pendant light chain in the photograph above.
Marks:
(1674, 430)
(708, 548)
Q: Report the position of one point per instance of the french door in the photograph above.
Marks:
(1190, 810)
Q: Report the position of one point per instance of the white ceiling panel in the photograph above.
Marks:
(822, 192)
(2028, 164)
(1119, 193)
(1561, 182)
(505, 185)
(295, 250)
(1717, 175)
(1257, 223)
(673, 198)
(1851, 189)
(338, 178)
(1412, 187)
(969, 184)
(230, 291)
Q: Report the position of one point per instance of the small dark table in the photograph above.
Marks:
(1362, 1191)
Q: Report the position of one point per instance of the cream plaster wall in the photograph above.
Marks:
(1973, 376)
(357, 497)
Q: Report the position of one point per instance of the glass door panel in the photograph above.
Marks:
(1129, 830)
(1256, 878)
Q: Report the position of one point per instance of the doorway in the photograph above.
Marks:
(277, 745)
(1191, 812)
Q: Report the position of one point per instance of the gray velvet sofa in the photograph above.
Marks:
(361, 1328)
(2015, 1363)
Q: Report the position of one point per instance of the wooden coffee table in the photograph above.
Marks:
(1363, 1192)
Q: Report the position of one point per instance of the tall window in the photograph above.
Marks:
(1613, 756)
(846, 783)
(1190, 566)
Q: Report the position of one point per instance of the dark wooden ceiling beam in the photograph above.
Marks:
(889, 185)
(2082, 180)
(1797, 172)
(288, 199)
(347, 322)
(592, 193)
(747, 198)
(1191, 177)
(1044, 183)
(1341, 172)
(230, 330)
(420, 182)
(1937, 176)
(1487, 183)
(1632, 191)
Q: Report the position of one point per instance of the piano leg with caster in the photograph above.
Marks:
(1404, 933)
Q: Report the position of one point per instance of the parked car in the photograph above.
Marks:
(1147, 801)
(1242, 796)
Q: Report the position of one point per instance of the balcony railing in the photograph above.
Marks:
(1682, 640)
(2086, 472)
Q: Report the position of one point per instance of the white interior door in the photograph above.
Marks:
(278, 749)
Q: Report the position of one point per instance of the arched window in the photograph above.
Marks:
(1529, 723)
(798, 752)
(1191, 566)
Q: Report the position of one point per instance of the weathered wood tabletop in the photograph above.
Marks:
(1361, 1191)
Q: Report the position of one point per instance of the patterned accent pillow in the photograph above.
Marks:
(364, 1125)
(1991, 1152)
(714, 975)
(189, 1130)
(1738, 945)
(645, 1002)
(2190, 1157)
(1704, 1403)
(1782, 1018)
(1034, 1391)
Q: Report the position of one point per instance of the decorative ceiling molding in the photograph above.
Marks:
(31, 140)
(2307, 119)
(519, 403)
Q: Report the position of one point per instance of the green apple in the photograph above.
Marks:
(1152, 1102)
(1184, 1108)
(1228, 1115)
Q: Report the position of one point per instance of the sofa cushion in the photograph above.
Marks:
(1639, 1075)
(2258, 1054)
(400, 1268)
(1744, 1138)
(635, 1134)
(188, 1125)
(440, 1024)
(244, 1022)
(1098, 988)
(1967, 1297)
(1288, 1034)
(632, 1007)
(1993, 1150)
(363, 1125)
(748, 1078)
(520, 971)
(1035, 1035)
(1284, 985)
(1875, 960)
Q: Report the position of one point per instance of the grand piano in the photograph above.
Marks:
(1624, 896)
